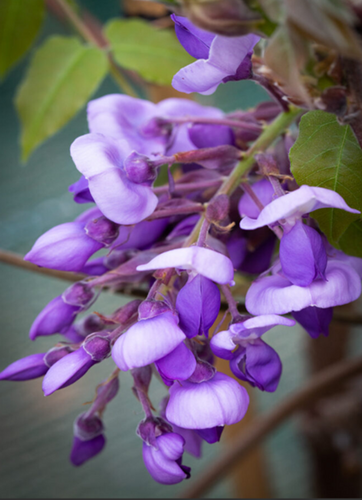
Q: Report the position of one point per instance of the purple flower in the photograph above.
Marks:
(216, 402)
(32, 366)
(314, 320)
(88, 438)
(71, 368)
(264, 192)
(223, 343)
(277, 295)
(67, 247)
(164, 462)
(198, 304)
(56, 317)
(257, 363)
(208, 263)
(293, 205)
(141, 235)
(147, 341)
(220, 58)
(100, 159)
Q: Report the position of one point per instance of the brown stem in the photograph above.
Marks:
(264, 425)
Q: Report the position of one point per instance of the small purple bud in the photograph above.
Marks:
(115, 259)
(56, 353)
(87, 427)
(56, 317)
(98, 346)
(151, 308)
(79, 294)
(107, 391)
(102, 230)
(28, 368)
(151, 428)
(218, 208)
(203, 372)
(140, 169)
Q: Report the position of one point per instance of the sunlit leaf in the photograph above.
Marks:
(155, 54)
(63, 74)
(20, 22)
(327, 154)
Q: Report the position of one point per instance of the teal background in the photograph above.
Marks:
(36, 432)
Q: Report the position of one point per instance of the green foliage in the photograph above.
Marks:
(62, 76)
(351, 240)
(328, 155)
(155, 54)
(20, 22)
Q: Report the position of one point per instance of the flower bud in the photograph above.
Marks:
(152, 427)
(28, 368)
(151, 308)
(140, 169)
(203, 372)
(142, 378)
(56, 353)
(218, 208)
(102, 230)
(98, 346)
(125, 313)
(79, 294)
(87, 427)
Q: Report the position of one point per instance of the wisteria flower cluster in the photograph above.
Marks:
(183, 242)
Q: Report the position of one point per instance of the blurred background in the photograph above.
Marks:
(36, 432)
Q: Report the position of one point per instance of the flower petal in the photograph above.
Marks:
(208, 263)
(147, 341)
(314, 320)
(32, 366)
(179, 364)
(275, 294)
(295, 204)
(219, 401)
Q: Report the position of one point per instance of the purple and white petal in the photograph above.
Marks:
(219, 401)
(208, 263)
(81, 191)
(66, 371)
(147, 341)
(276, 295)
(65, 247)
(194, 40)
(222, 344)
(100, 160)
(253, 328)
(162, 462)
(293, 205)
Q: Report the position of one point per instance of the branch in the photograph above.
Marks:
(264, 425)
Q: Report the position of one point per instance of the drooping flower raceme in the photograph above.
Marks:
(181, 244)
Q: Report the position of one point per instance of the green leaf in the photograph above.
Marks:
(19, 24)
(351, 240)
(63, 74)
(155, 54)
(327, 155)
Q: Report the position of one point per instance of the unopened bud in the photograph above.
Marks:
(142, 378)
(125, 313)
(151, 428)
(79, 294)
(87, 427)
(102, 230)
(203, 372)
(151, 308)
(56, 353)
(98, 346)
(218, 208)
(140, 169)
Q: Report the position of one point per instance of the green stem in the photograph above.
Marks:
(89, 37)
(266, 139)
